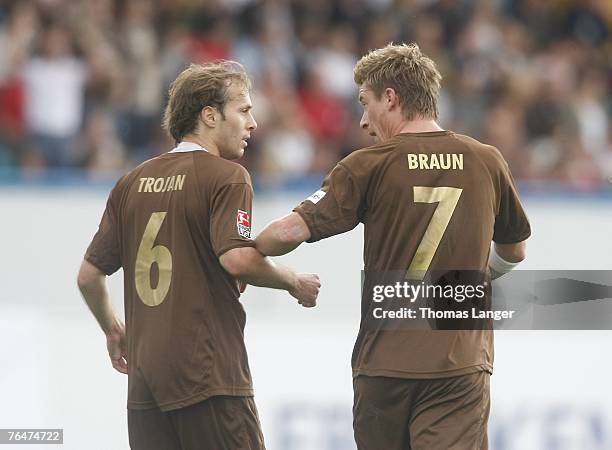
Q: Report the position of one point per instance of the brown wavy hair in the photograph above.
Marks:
(196, 87)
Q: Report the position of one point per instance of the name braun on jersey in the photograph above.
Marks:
(425, 161)
(163, 184)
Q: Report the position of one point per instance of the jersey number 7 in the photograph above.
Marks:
(447, 199)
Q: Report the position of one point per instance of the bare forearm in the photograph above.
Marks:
(93, 288)
(99, 304)
(266, 273)
(251, 267)
(513, 253)
(282, 236)
(270, 241)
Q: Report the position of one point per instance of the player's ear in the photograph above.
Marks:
(390, 98)
(208, 115)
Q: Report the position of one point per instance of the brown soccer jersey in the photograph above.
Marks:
(428, 201)
(166, 223)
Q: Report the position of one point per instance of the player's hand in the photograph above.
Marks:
(307, 289)
(116, 344)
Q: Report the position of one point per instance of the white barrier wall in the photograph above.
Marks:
(550, 390)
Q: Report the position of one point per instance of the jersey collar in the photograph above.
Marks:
(186, 146)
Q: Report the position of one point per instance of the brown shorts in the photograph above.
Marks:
(218, 423)
(422, 414)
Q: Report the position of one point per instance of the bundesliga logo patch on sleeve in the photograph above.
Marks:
(243, 222)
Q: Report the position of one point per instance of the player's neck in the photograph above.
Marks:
(203, 142)
(419, 126)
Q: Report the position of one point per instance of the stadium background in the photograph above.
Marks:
(82, 85)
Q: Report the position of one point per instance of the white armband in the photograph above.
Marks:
(499, 266)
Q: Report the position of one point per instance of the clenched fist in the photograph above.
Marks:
(307, 289)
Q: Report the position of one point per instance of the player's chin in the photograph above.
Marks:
(235, 154)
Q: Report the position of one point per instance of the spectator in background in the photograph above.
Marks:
(101, 145)
(144, 97)
(325, 114)
(54, 87)
(16, 39)
(335, 62)
(543, 66)
(591, 112)
(288, 149)
(98, 35)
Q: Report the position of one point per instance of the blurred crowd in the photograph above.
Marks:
(83, 83)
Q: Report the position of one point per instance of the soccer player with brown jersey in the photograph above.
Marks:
(429, 199)
(180, 227)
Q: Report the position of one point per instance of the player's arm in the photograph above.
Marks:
(92, 284)
(511, 228)
(505, 257)
(335, 208)
(282, 235)
(102, 258)
(249, 266)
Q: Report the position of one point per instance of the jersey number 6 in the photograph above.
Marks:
(145, 258)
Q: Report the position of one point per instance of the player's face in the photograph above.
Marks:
(236, 128)
(374, 113)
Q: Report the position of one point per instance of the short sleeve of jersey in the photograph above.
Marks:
(230, 221)
(511, 223)
(336, 208)
(103, 251)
